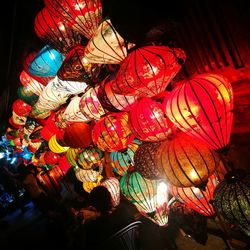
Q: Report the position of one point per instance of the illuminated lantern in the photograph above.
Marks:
(144, 161)
(72, 155)
(89, 185)
(54, 32)
(113, 186)
(186, 161)
(149, 196)
(17, 119)
(13, 124)
(78, 135)
(83, 16)
(21, 108)
(89, 157)
(55, 147)
(90, 105)
(148, 70)
(121, 161)
(231, 199)
(106, 46)
(147, 121)
(202, 107)
(38, 112)
(112, 132)
(26, 95)
(46, 63)
(51, 158)
(36, 136)
(88, 174)
(63, 164)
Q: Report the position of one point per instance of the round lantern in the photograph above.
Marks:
(89, 157)
(88, 174)
(231, 199)
(186, 161)
(21, 108)
(17, 119)
(55, 147)
(83, 16)
(144, 161)
(78, 135)
(202, 107)
(55, 32)
(149, 196)
(148, 70)
(112, 132)
(26, 95)
(147, 121)
(51, 158)
(113, 186)
(72, 155)
(121, 161)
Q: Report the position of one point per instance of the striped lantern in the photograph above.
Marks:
(85, 175)
(26, 95)
(113, 186)
(202, 107)
(148, 70)
(186, 161)
(72, 155)
(55, 147)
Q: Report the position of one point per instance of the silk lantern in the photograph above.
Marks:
(149, 196)
(231, 199)
(63, 164)
(202, 107)
(113, 186)
(17, 119)
(51, 158)
(186, 161)
(147, 121)
(83, 16)
(72, 156)
(55, 147)
(112, 132)
(148, 70)
(26, 95)
(84, 175)
(21, 108)
(89, 185)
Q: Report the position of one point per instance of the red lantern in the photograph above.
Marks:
(112, 132)
(21, 108)
(202, 107)
(147, 71)
(147, 121)
(78, 135)
(63, 164)
(51, 158)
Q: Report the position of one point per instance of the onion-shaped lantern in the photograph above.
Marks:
(50, 29)
(231, 199)
(51, 158)
(78, 135)
(72, 155)
(186, 161)
(84, 175)
(113, 186)
(144, 161)
(147, 121)
(55, 147)
(121, 161)
(202, 107)
(149, 196)
(148, 70)
(112, 132)
(83, 16)
(21, 108)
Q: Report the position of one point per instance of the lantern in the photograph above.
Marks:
(55, 147)
(63, 164)
(149, 196)
(83, 16)
(72, 155)
(106, 46)
(147, 121)
(186, 161)
(89, 174)
(112, 132)
(89, 185)
(231, 199)
(54, 32)
(202, 107)
(148, 70)
(17, 119)
(26, 95)
(121, 161)
(21, 108)
(51, 158)
(113, 186)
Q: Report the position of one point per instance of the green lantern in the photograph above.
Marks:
(27, 95)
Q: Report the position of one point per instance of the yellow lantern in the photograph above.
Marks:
(55, 147)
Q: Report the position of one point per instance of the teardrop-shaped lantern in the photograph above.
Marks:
(148, 70)
(202, 107)
(54, 32)
(112, 132)
(89, 174)
(149, 196)
(113, 186)
(83, 16)
(186, 161)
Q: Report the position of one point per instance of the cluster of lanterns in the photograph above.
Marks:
(92, 95)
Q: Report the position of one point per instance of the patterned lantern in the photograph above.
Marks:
(202, 107)
(17, 119)
(231, 199)
(72, 155)
(112, 132)
(106, 46)
(149, 196)
(89, 174)
(186, 161)
(21, 108)
(147, 121)
(144, 161)
(113, 186)
(89, 157)
(121, 161)
(51, 158)
(55, 147)
(147, 71)
(26, 95)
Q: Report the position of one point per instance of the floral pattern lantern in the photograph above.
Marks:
(113, 186)
(149, 196)
(112, 132)
(148, 70)
(147, 121)
(186, 161)
(202, 107)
